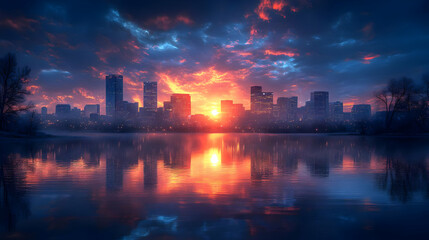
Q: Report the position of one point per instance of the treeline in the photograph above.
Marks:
(405, 107)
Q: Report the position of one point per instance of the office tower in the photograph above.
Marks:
(230, 110)
(91, 109)
(319, 105)
(336, 111)
(76, 113)
(181, 106)
(361, 112)
(260, 102)
(44, 111)
(167, 110)
(127, 109)
(150, 99)
(288, 108)
(266, 103)
(255, 92)
(114, 93)
(62, 110)
(226, 107)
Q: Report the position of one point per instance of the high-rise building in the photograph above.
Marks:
(266, 103)
(91, 109)
(62, 110)
(76, 113)
(180, 106)
(260, 102)
(114, 94)
(150, 99)
(319, 105)
(336, 111)
(255, 92)
(361, 112)
(226, 106)
(167, 110)
(288, 108)
(230, 110)
(127, 109)
(44, 111)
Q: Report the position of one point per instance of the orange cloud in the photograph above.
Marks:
(33, 89)
(20, 23)
(367, 58)
(207, 87)
(280, 53)
(266, 5)
(84, 93)
(184, 19)
(243, 54)
(166, 22)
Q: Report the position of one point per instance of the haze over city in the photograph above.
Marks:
(215, 50)
(214, 119)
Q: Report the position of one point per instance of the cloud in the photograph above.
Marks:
(54, 71)
(214, 49)
(281, 53)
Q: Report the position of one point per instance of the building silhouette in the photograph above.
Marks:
(336, 112)
(44, 111)
(91, 109)
(287, 108)
(150, 96)
(62, 110)
(127, 109)
(361, 112)
(180, 106)
(255, 92)
(230, 110)
(319, 105)
(114, 94)
(260, 102)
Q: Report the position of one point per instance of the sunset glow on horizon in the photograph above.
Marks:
(289, 47)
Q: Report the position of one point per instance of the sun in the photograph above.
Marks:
(215, 113)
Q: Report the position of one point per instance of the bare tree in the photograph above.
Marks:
(396, 96)
(13, 81)
(423, 104)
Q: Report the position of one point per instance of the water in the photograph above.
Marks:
(214, 186)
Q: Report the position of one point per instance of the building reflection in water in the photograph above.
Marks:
(229, 174)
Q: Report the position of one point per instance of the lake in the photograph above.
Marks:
(214, 186)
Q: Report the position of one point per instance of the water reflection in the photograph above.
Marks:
(212, 186)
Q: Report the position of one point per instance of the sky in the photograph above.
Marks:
(215, 50)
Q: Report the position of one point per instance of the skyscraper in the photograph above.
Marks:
(62, 110)
(288, 108)
(181, 106)
(114, 93)
(319, 105)
(336, 111)
(255, 92)
(266, 103)
(150, 99)
(361, 112)
(230, 110)
(260, 102)
(44, 111)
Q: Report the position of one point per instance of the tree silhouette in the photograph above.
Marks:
(396, 96)
(13, 92)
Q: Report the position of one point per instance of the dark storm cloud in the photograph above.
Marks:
(290, 47)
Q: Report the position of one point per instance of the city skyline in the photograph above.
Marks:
(214, 51)
(319, 107)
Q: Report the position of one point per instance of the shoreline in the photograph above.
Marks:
(77, 134)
